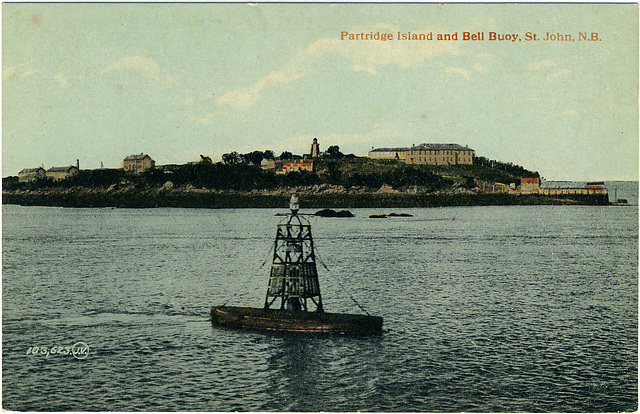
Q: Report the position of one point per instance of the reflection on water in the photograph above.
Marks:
(302, 372)
(292, 376)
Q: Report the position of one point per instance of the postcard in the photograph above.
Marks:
(343, 207)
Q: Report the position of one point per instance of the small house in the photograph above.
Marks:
(266, 164)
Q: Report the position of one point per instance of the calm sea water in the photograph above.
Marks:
(485, 309)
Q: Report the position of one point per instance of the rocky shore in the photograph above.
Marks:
(316, 196)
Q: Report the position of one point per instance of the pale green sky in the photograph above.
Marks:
(99, 82)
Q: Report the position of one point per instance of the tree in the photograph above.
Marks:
(205, 159)
(333, 173)
(286, 155)
(232, 158)
(334, 152)
(269, 155)
(254, 157)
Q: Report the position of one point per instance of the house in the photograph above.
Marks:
(31, 174)
(430, 154)
(62, 173)
(266, 164)
(288, 166)
(138, 163)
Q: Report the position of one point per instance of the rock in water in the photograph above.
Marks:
(399, 215)
(332, 213)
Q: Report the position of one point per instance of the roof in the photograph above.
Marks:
(389, 149)
(529, 179)
(61, 169)
(425, 147)
(137, 156)
(32, 170)
(442, 146)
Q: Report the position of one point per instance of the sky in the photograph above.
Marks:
(97, 82)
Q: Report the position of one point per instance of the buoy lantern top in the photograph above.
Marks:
(293, 204)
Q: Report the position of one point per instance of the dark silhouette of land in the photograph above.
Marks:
(337, 181)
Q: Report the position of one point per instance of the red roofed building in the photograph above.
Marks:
(529, 184)
(295, 165)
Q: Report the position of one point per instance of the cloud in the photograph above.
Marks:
(459, 71)
(364, 68)
(543, 68)
(201, 120)
(201, 98)
(542, 64)
(59, 77)
(8, 72)
(484, 57)
(195, 104)
(562, 73)
(170, 80)
(480, 68)
(248, 96)
(145, 66)
(206, 119)
(378, 53)
(362, 56)
(28, 73)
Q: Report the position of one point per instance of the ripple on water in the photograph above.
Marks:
(483, 312)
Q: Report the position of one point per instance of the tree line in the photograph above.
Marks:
(256, 157)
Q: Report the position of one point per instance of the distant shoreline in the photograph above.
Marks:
(220, 199)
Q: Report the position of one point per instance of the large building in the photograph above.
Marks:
(138, 163)
(431, 154)
(31, 174)
(62, 173)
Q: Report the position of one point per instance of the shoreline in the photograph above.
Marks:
(229, 199)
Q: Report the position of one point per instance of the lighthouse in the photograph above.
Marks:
(315, 149)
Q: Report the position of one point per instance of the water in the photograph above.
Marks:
(485, 309)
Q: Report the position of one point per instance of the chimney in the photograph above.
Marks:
(78, 164)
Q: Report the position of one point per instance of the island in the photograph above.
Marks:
(429, 175)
